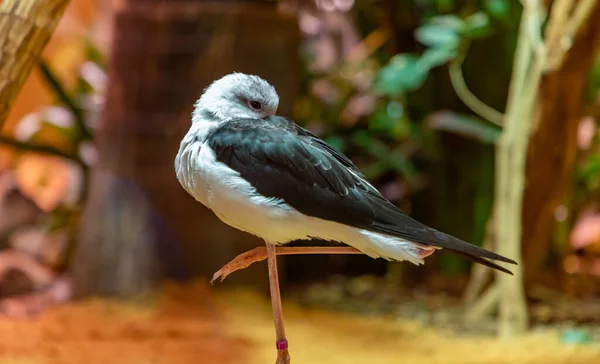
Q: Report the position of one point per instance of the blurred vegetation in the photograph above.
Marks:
(391, 103)
(399, 104)
(402, 87)
(63, 129)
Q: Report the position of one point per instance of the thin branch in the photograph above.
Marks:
(564, 37)
(38, 148)
(462, 90)
(56, 85)
(534, 26)
(559, 14)
(522, 60)
(580, 15)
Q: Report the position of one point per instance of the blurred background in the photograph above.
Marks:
(105, 259)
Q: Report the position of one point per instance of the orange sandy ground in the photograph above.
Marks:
(187, 326)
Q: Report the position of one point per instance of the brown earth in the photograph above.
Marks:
(189, 325)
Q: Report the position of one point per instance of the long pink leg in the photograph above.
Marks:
(283, 355)
(270, 252)
(259, 254)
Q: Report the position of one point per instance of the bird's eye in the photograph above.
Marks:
(255, 105)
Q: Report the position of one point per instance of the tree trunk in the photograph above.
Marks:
(25, 27)
(166, 53)
(552, 147)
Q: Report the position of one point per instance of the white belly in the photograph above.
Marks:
(232, 198)
(238, 204)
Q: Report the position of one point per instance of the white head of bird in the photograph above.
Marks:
(237, 96)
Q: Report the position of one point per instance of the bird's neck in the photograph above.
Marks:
(203, 122)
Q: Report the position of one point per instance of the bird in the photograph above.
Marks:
(266, 175)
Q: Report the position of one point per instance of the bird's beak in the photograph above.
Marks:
(269, 114)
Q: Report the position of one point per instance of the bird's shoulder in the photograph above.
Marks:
(281, 135)
(258, 127)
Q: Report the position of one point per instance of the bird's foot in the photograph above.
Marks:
(283, 357)
(424, 252)
(240, 262)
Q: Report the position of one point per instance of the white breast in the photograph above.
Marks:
(230, 197)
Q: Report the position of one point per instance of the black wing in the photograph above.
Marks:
(282, 160)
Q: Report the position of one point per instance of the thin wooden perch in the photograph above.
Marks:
(25, 27)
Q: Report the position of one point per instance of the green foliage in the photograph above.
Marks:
(589, 173)
(477, 26)
(444, 37)
(384, 122)
(593, 86)
(401, 133)
(499, 9)
(443, 6)
(404, 73)
(336, 141)
(438, 56)
(385, 157)
(437, 34)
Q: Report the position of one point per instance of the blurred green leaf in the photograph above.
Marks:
(436, 35)
(576, 336)
(70, 133)
(394, 126)
(404, 73)
(395, 109)
(371, 145)
(593, 84)
(387, 158)
(374, 170)
(451, 264)
(337, 142)
(590, 171)
(477, 26)
(93, 54)
(438, 56)
(402, 165)
(498, 8)
(449, 21)
(468, 126)
(381, 121)
(444, 5)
